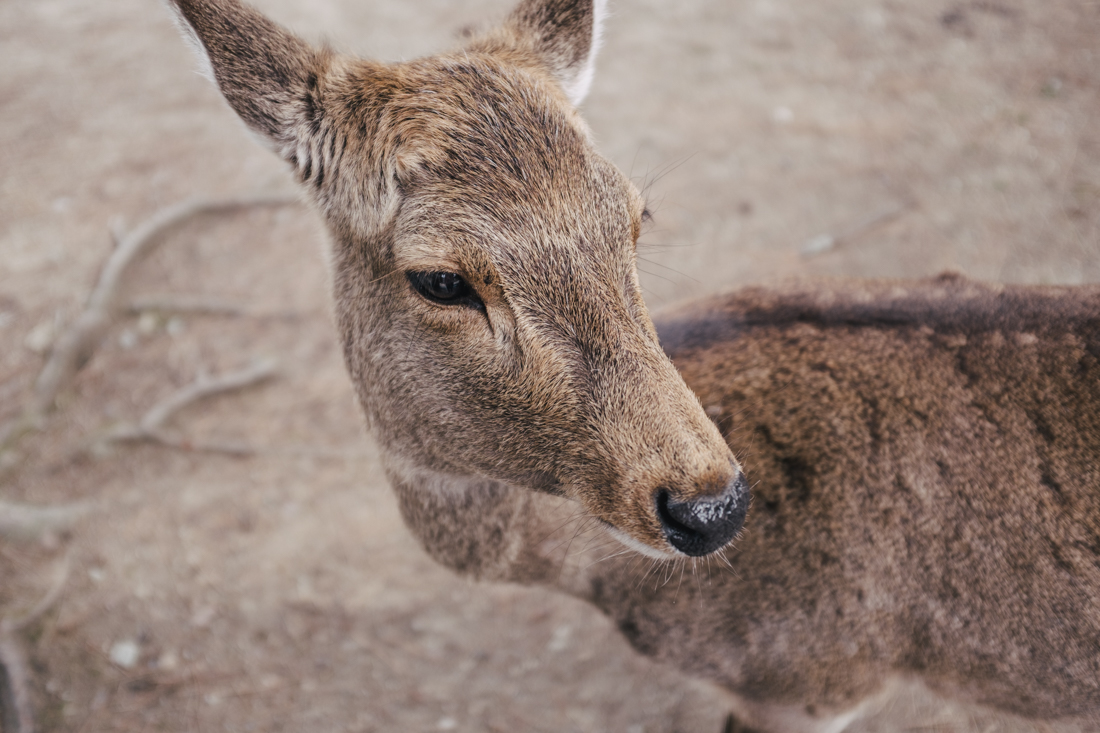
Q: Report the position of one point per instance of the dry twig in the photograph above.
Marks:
(151, 426)
(24, 522)
(16, 625)
(184, 304)
(200, 305)
(75, 346)
(16, 710)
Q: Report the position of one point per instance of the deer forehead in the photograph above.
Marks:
(487, 149)
(513, 246)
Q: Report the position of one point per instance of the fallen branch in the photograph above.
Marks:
(23, 522)
(203, 446)
(200, 305)
(184, 304)
(75, 346)
(14, 626)
(151, 426)
(16, 709)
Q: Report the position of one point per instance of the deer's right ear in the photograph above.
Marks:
(566, 35)
(269, 76)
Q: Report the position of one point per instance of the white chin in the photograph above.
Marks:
(639, 547)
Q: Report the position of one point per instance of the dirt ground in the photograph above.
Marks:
(279, 591)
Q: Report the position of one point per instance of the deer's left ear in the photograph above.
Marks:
(565, 34)
(269, 76)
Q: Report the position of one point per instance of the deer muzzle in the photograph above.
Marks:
(702, 525)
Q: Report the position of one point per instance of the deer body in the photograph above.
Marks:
(926, 488)
(925, 456)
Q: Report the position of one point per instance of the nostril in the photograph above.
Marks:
(702, 525)
(668, 520)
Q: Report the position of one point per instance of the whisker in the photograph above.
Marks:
(654, 274)
(602, 547)
(608, 557)
(603, 538)
(579, 518)
(662, 172)
(578, 513)
(671, 568)
(670, 269)
(653, 563)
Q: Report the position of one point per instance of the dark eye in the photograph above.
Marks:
(447, 288)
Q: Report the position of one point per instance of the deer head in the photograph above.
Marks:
(484, 271)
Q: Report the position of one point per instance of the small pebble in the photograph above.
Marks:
(148, 322)
(41, 337)
(270, 681)
(168, 661)
(125, 653)
(820, 243)
(203, 616)
(560, 639)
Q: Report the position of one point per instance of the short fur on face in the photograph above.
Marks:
(477, 163)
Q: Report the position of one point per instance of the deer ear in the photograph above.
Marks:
(268, 75)
(565, 34)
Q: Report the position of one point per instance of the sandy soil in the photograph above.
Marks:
(280, 591)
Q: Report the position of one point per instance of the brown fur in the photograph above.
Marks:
(926, 456)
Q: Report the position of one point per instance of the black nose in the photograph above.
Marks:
(702, 525)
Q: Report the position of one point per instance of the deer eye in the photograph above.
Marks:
(447, 288)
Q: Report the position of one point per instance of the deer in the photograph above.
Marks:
(858, 483)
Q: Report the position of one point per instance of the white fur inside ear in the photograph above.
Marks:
(192, 39)
(206, 69)
(577, 87)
